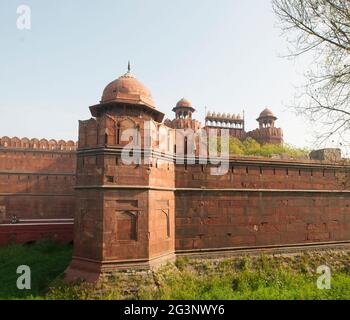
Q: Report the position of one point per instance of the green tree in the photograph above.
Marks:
(236, 146)
(251, 147)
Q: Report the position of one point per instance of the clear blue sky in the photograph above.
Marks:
(222, 54)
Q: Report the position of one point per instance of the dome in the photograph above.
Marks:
(127, 89)
(184, 103)
(266, 113)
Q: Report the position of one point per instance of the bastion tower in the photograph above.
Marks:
(183, 116)
(267, 132)
(125, 209)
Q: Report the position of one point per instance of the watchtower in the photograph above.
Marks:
(125, 203)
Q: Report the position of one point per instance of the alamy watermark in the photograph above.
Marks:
(324, 281)
(24, 19)
(25, 278)
(204, 146)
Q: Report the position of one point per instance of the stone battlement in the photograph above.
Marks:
(267, 135)
(36, 144)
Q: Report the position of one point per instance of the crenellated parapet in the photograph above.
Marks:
(223, 120)
(36, 144)
(181, 123)
(267, 135)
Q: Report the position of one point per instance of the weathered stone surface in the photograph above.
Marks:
(138, 215)
(326, 154)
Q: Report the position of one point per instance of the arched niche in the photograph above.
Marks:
(126, 225)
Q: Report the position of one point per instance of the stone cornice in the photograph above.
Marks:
(23, 194)
(140, 187)
(32, 150)
(31, 173)
(246, 161)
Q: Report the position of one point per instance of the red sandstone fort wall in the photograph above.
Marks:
(257, 202)
(261, 203)
(267, 135)
(37, 179)
(217, 220)
(260, 173)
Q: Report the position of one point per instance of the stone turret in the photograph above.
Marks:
(266, 119)
(183, 116)
(267, 132)
(125, 210)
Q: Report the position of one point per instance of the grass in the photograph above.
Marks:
(46, 259)
(236, 278)
(261, 283)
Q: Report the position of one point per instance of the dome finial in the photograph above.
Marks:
(129, 68)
